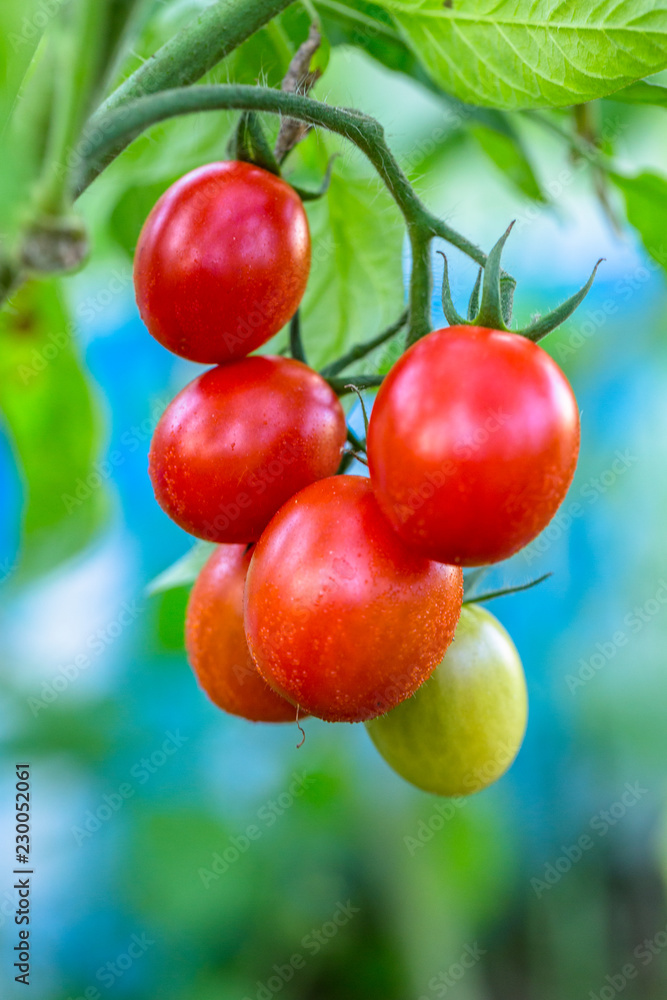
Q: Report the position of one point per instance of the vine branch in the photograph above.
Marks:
(191, 53)
(112, 129)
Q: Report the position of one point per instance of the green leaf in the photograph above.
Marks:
(646, 205)
(356, 284)
(53, 424)
(369, 27)
(534, 53)
(131, 210)
(506, 152)
(20, 32)
(642, 93)
(184, 571)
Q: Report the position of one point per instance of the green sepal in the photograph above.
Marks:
(507, 286)
(545, 324)
(448, 309)
(248, 143)
(473, 305)
(491, 313)
(306, 195)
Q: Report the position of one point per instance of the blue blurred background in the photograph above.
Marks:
(146, 883)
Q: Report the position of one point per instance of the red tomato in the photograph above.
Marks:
(341, 617)
(222, 262)
(216, 644)
(239, 441)
(472, 444)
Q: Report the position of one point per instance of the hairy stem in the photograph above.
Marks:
(114, 129)
(191, 53)
(360, 351)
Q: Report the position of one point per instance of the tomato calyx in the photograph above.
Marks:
(249, 144)
(492, 299)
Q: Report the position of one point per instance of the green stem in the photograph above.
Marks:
(77, 55)
(357, 443)
(114, 129)
(190, 54)
(504, 591)
(421, 283)
(295, 342)
(360, 351)
(344, 384)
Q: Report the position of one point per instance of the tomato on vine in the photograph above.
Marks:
(222, 261)
(216, 644)
(241, 439)
(341, 616)
(464, 726)
(472, 444)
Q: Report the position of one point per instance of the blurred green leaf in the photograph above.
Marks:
(172, 605)
(356, 284)
(646, 205)
(642, 93)
(20, 33)
(53, 423)
(521, 54)
(130, 212)
(184, 571)
(123, 19)
(509, 156)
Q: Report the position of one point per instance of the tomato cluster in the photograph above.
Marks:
(330, 594)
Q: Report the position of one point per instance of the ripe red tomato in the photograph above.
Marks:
(240, 440)
(341, 616)
(216, 644)
(222, 262)
(472, 444)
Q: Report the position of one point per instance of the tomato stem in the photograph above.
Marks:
(361, 350)
(342, 385)
(192, 52)
(504, 591)
(112, 128)
(295, 342)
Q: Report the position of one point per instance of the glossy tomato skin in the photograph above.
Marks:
(241, 439)
(466, 723)
(216, 644)
(222, 262)
(341, 617)
(472, 444)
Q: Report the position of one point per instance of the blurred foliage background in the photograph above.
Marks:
(352, 884)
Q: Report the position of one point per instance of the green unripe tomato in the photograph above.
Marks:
(463, 727)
